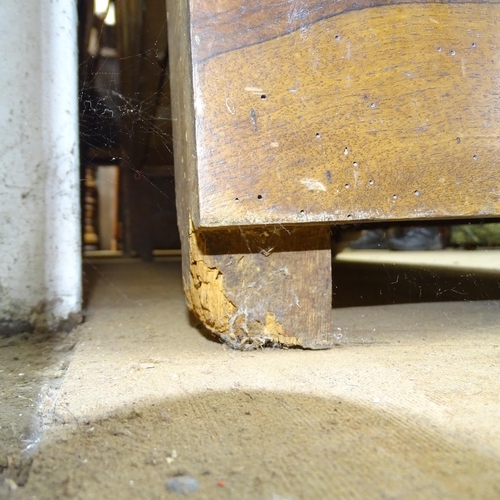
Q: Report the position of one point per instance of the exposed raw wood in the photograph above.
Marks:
(389, 112)
(205, 290)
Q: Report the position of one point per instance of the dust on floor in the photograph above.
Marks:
(406, 406)
(32, 367)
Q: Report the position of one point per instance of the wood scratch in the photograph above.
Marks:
(253, 117)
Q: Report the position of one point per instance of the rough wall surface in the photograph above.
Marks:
(40, 264)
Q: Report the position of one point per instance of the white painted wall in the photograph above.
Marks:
(40, 255)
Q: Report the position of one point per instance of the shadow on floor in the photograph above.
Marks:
(259, 445)
(357, 284)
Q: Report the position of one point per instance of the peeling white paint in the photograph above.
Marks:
(313, 184)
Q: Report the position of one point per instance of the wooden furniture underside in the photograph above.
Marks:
(293, 116)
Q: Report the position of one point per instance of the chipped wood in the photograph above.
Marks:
(262, 286)
(205, 291)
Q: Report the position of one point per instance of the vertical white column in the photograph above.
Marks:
(40, 249)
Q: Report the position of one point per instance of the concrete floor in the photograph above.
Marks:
(406, 406)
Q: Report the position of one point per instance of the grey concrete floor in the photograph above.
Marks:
(406, 406)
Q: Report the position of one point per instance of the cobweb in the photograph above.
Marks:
(127, 127)
(103, 106)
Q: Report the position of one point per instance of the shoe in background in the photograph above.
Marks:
(370, 239)
(416, 239)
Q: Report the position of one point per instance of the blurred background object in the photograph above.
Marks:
(128, 192)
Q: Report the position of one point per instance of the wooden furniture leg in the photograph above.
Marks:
(262, 285)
